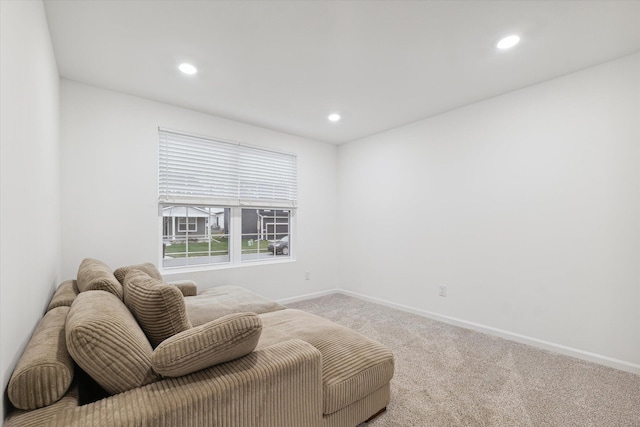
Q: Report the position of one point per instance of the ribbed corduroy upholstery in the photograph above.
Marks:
(64, 295)
(106, 341)
(360, 410)
(218, 341)
(337, 378)
(158, 307)
(45, 369)
(147, 267)
(188, 288)
(42, 417)
(279, 386)
(352, 365)
(95, 275)
(216, 302)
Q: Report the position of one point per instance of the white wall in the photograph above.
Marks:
(527, 206)
(29, 180)
(109, 189)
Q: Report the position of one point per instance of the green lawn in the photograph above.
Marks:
(219, 246)
(258, 246)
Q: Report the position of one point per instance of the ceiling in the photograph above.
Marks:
(286, 65)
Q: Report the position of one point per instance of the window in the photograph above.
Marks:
(187, 224)
(194, 235)
(265, 234)
(224, 202)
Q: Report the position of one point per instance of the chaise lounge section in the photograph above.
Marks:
(124, 348)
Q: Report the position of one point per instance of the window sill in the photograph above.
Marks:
(200, 268)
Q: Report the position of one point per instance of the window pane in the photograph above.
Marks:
(194, 235)
(265, 234)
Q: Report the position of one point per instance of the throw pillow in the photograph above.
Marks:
(95, 275)
(45, 369)
(158, 307)
(106, 341)
(219, 341)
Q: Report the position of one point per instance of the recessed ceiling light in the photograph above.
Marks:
(508, 42)
(188, 68)
(334, 117)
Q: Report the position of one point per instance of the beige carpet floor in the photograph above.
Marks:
(450, 376)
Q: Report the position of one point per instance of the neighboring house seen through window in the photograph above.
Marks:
(206, 243)
(224, 203)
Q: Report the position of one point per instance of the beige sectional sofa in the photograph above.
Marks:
(125, 349)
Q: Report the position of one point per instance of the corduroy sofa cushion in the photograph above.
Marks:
(95, 275)
(45, 369)
(147, 267)
(219, 341)
(352, 365)
(64, 295)
(216, 302)
(158, 307)
(106, 341)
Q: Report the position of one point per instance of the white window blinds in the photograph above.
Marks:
(197, 170)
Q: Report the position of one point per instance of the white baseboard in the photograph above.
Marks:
(545, 345)
(286, 301)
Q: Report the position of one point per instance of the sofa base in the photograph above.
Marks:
(361, 410)
(279, 386)
(376, 415)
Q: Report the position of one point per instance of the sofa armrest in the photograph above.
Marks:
(188, 288)
(277, 386)
(40, 417)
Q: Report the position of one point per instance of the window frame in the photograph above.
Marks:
(235, 244)
(249, 196)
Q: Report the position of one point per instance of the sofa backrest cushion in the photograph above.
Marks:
(65, 294)
(45, 369)
(148, 268)
(158, 307)
(219, 341)
(106, 341)
(95, 275)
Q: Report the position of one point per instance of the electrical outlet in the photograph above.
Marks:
(442, 290)
(307, 275)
